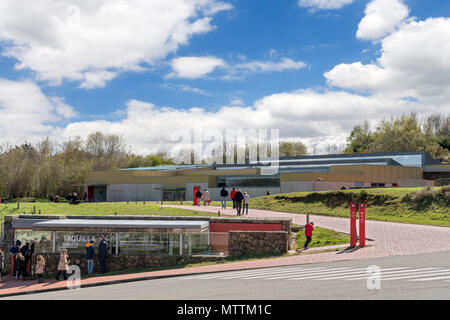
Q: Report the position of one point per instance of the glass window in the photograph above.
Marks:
(196, 243)
(76, 241)
(149, 243)
(249, 181)
(43, 239)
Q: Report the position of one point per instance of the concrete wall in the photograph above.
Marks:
(415, 183)
(297, 186)
(134, 192)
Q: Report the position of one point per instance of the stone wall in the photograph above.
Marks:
(247, 243)
(122, 262)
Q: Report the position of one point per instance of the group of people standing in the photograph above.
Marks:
(22, 257)
(63, 265)
(240, 200)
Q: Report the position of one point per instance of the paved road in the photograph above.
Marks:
(425, 276)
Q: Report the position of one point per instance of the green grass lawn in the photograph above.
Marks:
(100, 208)
(387, 206)
(323, 237)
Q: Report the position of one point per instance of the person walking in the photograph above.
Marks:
(103, 254)
(206, 198)
(223, 197)
(309, 228)
(199, 195)
(18, 265)
(238, 197)
(63, 265)
(232, 193)
(40, 266)
(246, 201)
(90, 251)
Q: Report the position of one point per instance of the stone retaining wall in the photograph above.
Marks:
(122, 262)
(247, 243)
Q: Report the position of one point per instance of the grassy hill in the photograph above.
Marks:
(411, 205)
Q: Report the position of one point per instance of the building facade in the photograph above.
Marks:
(287, 174)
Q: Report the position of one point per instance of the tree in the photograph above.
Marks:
(107, 151)
(360, 139)
(294, 148)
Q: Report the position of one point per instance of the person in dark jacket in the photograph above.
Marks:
(90, 252)
(14, 250)
(223, 197)
(27, 251)
(199, 195)
(103, 254)
(238, 197)
(18, 265)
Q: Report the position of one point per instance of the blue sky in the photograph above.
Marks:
(311, 68)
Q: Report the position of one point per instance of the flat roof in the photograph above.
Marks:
(105, 225)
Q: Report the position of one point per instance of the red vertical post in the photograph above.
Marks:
(362, 224)
(352, 224)
(196, 188)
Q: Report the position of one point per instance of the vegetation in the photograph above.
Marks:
(428, 206)
(323, 237)
(405, 133)
(102, 208)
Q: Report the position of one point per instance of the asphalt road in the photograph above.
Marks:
(422, 277)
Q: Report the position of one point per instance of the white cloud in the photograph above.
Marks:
(92, 41)
(320, 117)
(324, 4)
(414, 63)
(197, 67)
(269, 66)
(194, 67)
(381, 18)
(27, 114)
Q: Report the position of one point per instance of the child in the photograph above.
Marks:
(63, 265)
(19, 265)
(40, 266)
(309, 228)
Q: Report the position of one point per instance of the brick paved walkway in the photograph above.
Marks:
(389, 239)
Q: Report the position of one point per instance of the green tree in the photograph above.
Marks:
(360, 139)
(292, 148)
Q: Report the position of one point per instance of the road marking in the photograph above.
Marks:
(338, 276)
(433, 278)
(295, 274)
(413, 273)
(252, 271)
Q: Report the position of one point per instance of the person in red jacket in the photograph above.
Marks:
(232, 193)
(309, 228)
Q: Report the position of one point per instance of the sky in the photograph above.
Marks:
(144, 69)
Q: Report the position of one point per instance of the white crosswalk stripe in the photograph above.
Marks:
(382, 273)
(340, 275)
(407, 274)
(294, 274)
(434, 278)
(299, 273)
(227, 274)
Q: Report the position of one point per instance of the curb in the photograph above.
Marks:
(97, 284)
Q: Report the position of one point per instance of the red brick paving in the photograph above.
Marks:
(389, 239)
